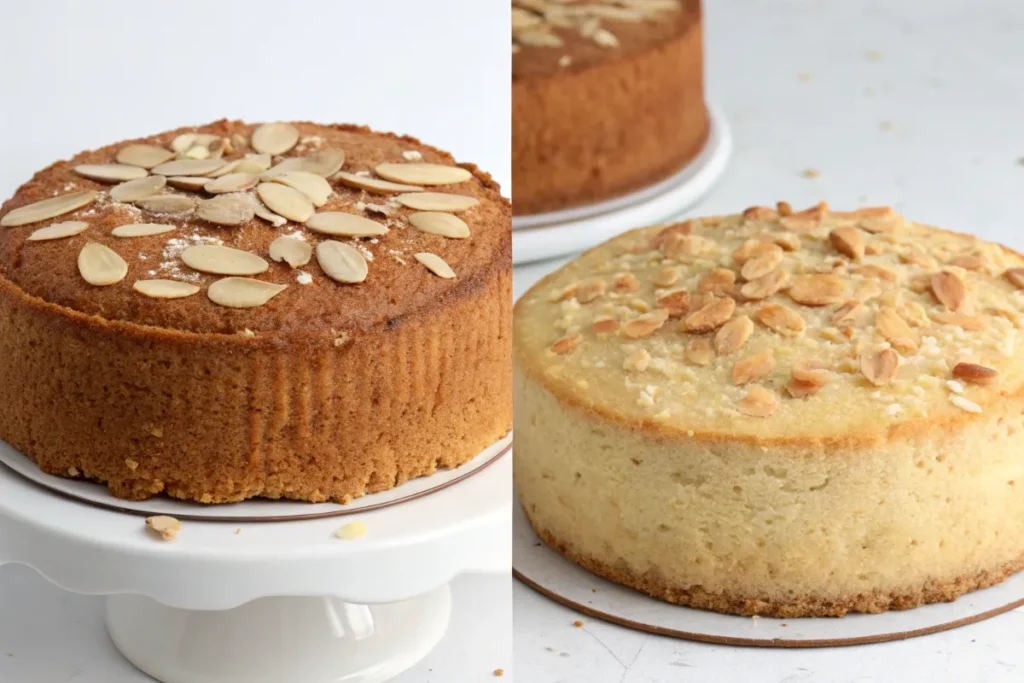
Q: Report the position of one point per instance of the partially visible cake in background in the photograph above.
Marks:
(607, 98)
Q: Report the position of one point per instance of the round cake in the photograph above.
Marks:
(607, 98)
(287, 310)
(778, 413)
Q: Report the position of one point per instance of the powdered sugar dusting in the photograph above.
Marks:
(304, 278)
(171, 256)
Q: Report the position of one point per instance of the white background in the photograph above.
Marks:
(915, 104)
(81, 74)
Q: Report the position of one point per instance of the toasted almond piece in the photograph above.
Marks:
(848, 313)
(914, 314)
(187, 141)
(760, 213)
(143, 156)
(645, 325)
(764, 287)
(251, 163)
(58, 231)
(291, 250)
(48, 208)
(242, 292)
(798, 389)
(817, 290)
(316, 189)
(677, 244)
(186, 182)
(699, 351)
(969, 261)
(232, 182)
(341, 262)
(752, 367)
(866, 291)
(784, 208)
(167, 527)
(142, 229)
(975, 374)
(100, 265)
(268, 215)
(799, 222)
(169, 204)
(974, 323)
(436, 201)
(140, 188)
(566, 344)
(666, 277)
(762, 262)
(323, 163)
(787, 240)
(590, 290)
(676, 303)
(274, 138)
(606, 326)
(895, 329)
(373, 184)
(233, 208)
(682, 228)
(810, 373)
(746, 251)
(948, 289)
(719, 282)
(637, 361)
(783, 320)
(848, 242)
(188, 167)
(880, 224)
(758, 402)
(879, 367)
(196, 152)
(437, 223)
(711, 316)
(423, 174)
(110, 173)
(435, 264)
(733, 335)
(285, 201)
(1015, 276)
(211, 258)
(626, 282)
(164, 289)
(347, 224)
(873, 270)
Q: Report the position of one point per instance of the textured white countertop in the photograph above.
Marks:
(915, 104)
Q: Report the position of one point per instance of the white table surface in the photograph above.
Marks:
(915, 104)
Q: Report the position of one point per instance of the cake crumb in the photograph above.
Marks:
(167, 527)
(564, 61)
(578, 623)
(131, 464)
(73, 471)
(351, 531)
(498, 673)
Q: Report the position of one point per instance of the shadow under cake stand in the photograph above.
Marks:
(255, 592)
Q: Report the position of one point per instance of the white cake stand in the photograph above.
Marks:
(268, 601)
(542, 236)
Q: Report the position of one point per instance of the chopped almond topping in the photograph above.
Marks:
(848, 242)
(759, 213)
(676, 303)
(896, 330)
(590, 290)
(666, 277)
(949, 290)
(1015, 277)
(817, 290)
(758, 402)
(848, 313)
(638, 360)
(764, 287)
(699, 351)
(683, 228)
(710, 316)
(969, 261)
(763, 261)
(975, 374)
(645, 325)
(783, 320)
(879, 367)
(606, 326)
(784, 208)
(968, 322)
(566, 344)
(733, 334)
(626, 282)
(719, 282)
(752, 367)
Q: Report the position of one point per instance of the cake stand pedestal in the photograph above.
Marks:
(267, 601)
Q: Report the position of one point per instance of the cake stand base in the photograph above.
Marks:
(269, 640)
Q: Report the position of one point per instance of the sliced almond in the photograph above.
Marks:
(347, 224)
(437, 223)
(291, 250)
(848, 242)
(167, 527)
(48, 208)
(975, 374)
(783, 320)
(435, 264)
(373, 184)
(873, 270)
(58, 231)
(746, 251)
(676, 303)
(268, 215)
(880, 224)
(626, 282)
(760, 213)
(895, 329)
(186, 182)
(1015, 276)
(423, 174)
(316, 189)
(764, 287)
(758, 402)
(285, 201)
(879, 367)
(142, 229)
(566, 344)
(140, 188)
(637, 361)
(143, 156)
(948, 289)
(169, 204)
(784, 208)
(699, 351)
(590, 290)
(164, 289)
(798, 389)
(606, 326)
(323, 163)
(232, 182)
(848, 313)
(866, 291)
(274, 138)
(341, 262)
(100, 265)
(810, 373)
(666, 277)
(733, 335)
(250, 163)
(763, 262)
(110, 173)
(645, 325)
(710, 316)
(975, 323)
(211, 258)
(188, 167)
(817, 290)
(234, 208)
(969, 261)
(187, 141)
(752, 367)
(436, 201)
(242, 292)
(719, 282)
(683, 228)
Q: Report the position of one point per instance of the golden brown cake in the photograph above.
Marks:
(285, 310)
(607, 98)
(778, 413)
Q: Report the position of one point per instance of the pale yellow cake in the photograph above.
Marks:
(778, 413)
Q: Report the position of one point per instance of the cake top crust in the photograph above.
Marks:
(781, 325)
(551, 37)
(281, 229)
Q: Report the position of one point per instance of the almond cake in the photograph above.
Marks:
(778, 413)
(285, 310)
(607, 98)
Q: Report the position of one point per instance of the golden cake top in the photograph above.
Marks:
(781, 324)
(242, 228)
(550, 36)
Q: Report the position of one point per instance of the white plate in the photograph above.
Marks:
(255, 509)
(545, 570)
(543, 236)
